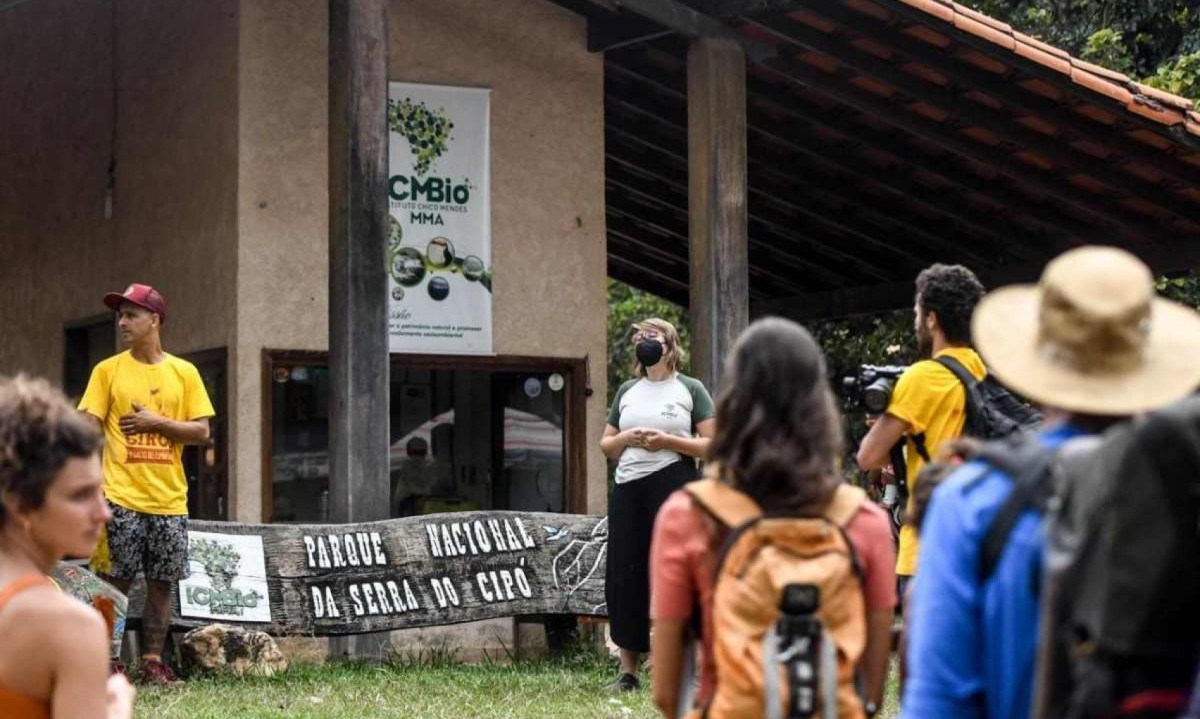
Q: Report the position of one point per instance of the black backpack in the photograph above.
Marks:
(1120, 625)
(993, 413)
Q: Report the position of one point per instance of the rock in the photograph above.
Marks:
(224, 649)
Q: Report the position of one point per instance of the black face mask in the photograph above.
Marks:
(649, 352)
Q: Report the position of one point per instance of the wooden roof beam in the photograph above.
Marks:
(862, 221)
(899, 182)
(1069, 159)
(799, 261)
(1029, 68)
(871, 299)
(1003, 87)
(654, 190)
(838, 87)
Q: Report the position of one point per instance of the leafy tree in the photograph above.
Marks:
(627, 305)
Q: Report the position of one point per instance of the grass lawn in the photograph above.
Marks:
(566, 689)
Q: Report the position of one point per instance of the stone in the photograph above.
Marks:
(225, 649)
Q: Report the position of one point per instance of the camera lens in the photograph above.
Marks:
(877, 395)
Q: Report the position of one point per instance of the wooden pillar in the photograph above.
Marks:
(720, 281)
(358, 343)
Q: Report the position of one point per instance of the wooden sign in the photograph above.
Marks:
(419, 571)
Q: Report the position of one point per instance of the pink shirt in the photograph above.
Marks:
(682, 563)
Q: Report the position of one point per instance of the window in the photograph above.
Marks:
(85, 344)
(467, 434)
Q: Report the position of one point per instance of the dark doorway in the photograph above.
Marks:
(86, 343)
(207, 466)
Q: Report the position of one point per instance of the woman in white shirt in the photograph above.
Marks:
(659, 424)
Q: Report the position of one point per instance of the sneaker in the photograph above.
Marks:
(154, 673)
(624, 683)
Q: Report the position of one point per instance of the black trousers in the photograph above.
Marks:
(632, 508)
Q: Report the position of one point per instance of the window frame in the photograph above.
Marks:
(573, 369)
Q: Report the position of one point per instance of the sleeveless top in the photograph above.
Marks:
(14, 705)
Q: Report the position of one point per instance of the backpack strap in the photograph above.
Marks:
(845, 503)
(726, 504)
(1027, 462)
(968, 382)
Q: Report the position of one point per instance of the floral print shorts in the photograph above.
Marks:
(154, 544)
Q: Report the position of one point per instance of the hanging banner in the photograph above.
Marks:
(440, 220)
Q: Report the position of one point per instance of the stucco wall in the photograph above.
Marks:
(173, 219)
(283, 211)
(547, 106)
(547, 186)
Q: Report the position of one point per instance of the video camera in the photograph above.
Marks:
(872, 386)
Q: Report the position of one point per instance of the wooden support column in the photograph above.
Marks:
(720, 281)
(358, 343)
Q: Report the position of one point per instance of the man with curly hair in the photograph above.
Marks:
(928, 405)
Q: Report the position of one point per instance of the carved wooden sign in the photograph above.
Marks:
(418, 571)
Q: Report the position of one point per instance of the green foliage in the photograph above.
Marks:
(627, 305)
(1179, 76)
(1183, 288)
(1131, 37)
(1107, 49)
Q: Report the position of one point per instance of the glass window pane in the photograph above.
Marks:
(460, 440)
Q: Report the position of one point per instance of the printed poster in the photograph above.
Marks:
(439, 220)
(228, 580)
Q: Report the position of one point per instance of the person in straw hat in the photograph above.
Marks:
(1093, 345)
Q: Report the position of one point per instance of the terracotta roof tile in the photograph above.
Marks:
(874, 48)
(1165, 98)
(867, 7)
(984, 99)
(1146, 107)
(1162, 107)
(1038, 124)
(978, 59)
(928, 35)
(1035, 160)
(812, 20)
(1088, 184)
(1102, 85)
(988, 20)
(1044, 47)
(1096, 113)
(1041, 57)
(987, 31)
(937, 8)
(1099, 70)
(1152, 139)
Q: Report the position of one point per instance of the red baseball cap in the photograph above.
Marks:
(143, 296)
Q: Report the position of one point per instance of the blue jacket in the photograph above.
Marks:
(972, 648)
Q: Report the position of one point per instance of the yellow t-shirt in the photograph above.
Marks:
(932, 401)
(144, 472)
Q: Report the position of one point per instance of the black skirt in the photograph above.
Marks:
(631, 512)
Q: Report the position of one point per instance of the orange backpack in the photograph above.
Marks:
(788, 614)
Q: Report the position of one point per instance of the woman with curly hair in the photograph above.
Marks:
(54, 661)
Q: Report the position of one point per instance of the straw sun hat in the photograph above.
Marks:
(1091, 336)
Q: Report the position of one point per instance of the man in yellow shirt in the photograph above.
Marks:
(928, 404)
(149, 405)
